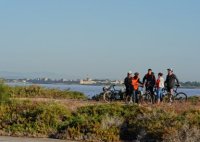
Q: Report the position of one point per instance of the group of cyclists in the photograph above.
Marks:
(132, 83)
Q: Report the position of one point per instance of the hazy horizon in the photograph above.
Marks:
(102, 39)
(51, 75)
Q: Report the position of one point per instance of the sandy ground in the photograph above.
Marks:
(69, 103)
(20, 139)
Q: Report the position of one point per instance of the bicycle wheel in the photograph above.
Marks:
(107, 96)
(127, 99)
(180, 97)
(147, 98)
(123, 97)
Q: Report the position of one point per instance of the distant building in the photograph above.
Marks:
(105, 82)
(88, 81)
(45, 79)
(63, 80)
(121, 82)
(117, 82)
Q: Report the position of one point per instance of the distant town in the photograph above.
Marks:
(87, 81)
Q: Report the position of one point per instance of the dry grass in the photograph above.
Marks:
(73, 104)
(186, 134)
(179, 107)
(91, 120)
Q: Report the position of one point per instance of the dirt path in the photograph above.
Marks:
(21, 139)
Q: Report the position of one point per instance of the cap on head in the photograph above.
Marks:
(129, 72)
(170, 69)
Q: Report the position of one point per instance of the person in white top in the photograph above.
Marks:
(160, 84)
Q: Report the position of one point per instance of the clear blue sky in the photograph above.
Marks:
(101, 38)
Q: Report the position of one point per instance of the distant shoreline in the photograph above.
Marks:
(183, 87)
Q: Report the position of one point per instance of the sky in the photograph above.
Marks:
(100, 38)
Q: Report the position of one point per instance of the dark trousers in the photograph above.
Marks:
(135, 96)
(151, 89)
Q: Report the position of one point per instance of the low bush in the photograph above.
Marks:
(117, 122)
(4, 94)
(35, 91)
(26, 118)
(105, 122)
(194, 100)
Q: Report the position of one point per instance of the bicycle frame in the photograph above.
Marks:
(175, 91)
(114, 93)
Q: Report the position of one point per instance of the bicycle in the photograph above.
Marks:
(146, 97)
(143, 98)
(176, 97)
(112, 94)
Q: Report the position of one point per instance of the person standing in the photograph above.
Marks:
(128, 84)
(170, 83)
(160, 84)
(135, 83)
(149, 82)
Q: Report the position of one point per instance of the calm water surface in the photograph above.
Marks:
(93, 90)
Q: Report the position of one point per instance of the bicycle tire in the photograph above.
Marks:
(107, 96)
(123, 96)
(180, 97)
(147, 98)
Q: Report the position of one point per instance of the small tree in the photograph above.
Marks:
(4, 95)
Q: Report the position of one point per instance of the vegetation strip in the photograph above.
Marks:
(102, 122)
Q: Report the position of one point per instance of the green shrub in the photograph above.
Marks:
(35, 91)
(106, 122)
(97, 123)
(32, 118)
(4, 95)
(115, 122)
(194, 100)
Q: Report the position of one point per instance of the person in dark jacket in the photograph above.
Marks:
(170, 82)
(149, 82)
(128, 84)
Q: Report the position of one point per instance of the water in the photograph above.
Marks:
(88, 90)
(94, 90)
